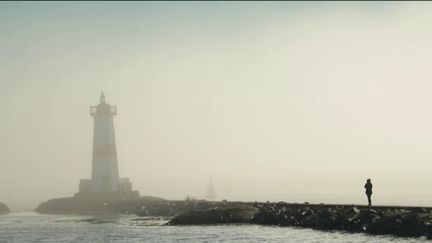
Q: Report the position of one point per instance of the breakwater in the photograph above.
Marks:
(392, 220)
(144, 206)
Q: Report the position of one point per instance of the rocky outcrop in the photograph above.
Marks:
(71, 205)
(4, 208)
(215, 216)
(144, 206)
(81, 205)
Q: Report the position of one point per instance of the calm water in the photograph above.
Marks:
(33, 227)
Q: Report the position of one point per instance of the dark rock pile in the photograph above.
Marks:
(161, 208)
(71, 205)
(399, 221)
(144, 206)
(215, 216)
(169, 208)
(3, 208)
(75, 205)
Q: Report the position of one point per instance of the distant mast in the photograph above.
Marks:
(211, 195)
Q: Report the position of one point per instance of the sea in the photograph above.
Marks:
(34, 227)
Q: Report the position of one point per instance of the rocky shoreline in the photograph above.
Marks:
(4, 208)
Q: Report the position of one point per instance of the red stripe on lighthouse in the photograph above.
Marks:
(104, 151)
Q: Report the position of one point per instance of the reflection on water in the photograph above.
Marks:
(33, 227)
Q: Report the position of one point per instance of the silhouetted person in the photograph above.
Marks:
(368, 187)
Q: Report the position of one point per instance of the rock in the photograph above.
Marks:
(413, 222)
(4, 208)
(215, 216)
(72, 205)
(144, 206)
(397, 223)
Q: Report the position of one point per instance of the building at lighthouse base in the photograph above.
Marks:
(88, 190)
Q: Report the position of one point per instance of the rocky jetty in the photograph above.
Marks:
(144, 206)
(215, 216)
(398, 221)
(163, 208)
(3, 208)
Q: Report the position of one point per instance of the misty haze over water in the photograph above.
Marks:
(271, 101)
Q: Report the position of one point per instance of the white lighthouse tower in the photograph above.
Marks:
(211, 194)
(105, 175)
(105, 181)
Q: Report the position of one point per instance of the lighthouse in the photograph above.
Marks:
(105, 181)
(105, 174)
(211, 194)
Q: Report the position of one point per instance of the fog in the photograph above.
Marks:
(280, 101)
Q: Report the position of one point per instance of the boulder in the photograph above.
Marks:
(215, 216)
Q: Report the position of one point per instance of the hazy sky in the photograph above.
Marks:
(290, 101)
